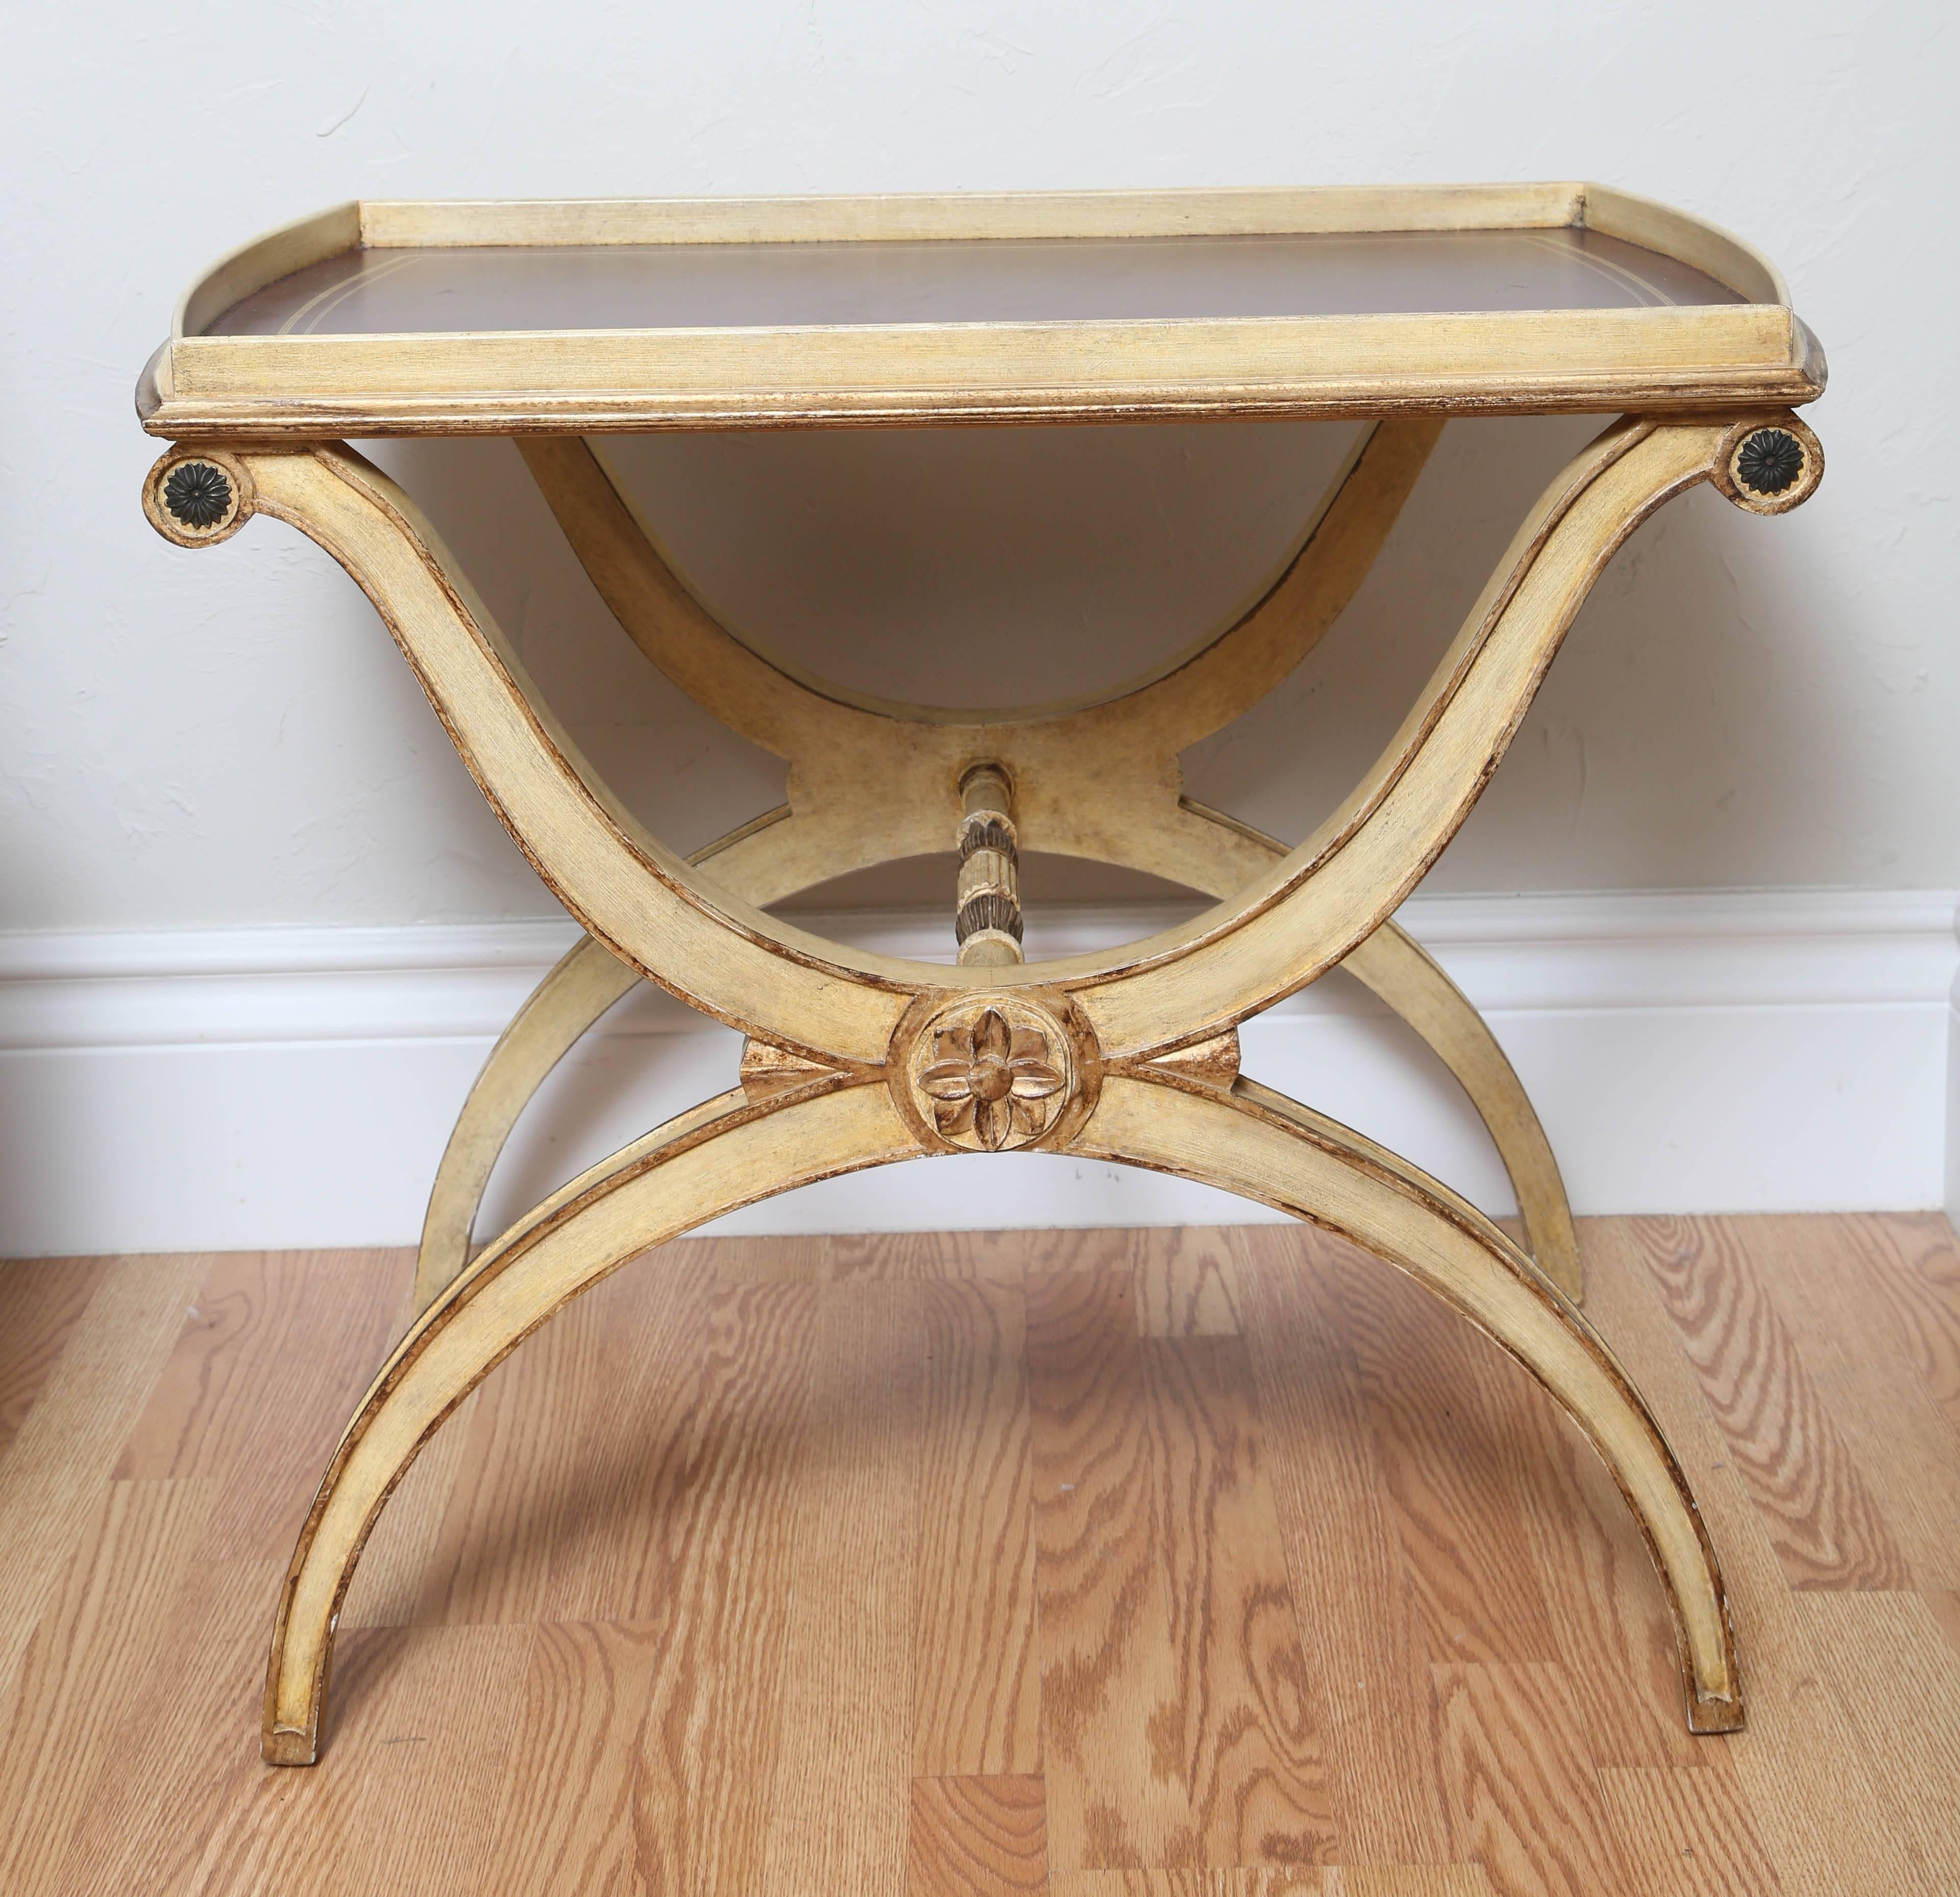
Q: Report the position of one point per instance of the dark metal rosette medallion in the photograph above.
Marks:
(197, 494)
(1770, 461)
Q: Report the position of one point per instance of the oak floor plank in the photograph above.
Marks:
(1184, 1728)
(1348, 1880)
(1817, 1272)
(465, 1538)
(562, 1820)
(1798, 1761)
(1945, 1608)
(51, 1475)
(1249, 1726)
(844, 1763)
(1827, 1527)
(191, 1686)
(1912, 1262)
(1187, 1285)
(1603, 1599)
(409, 1804)
(1414, 1880)
(705, 1765)
(978, 1837)
(1524, 1801)
(1900, 1685)
(504, 1525)
(62, 1718)
(1292, 1882)
(40, 1300)
(999, 1258)
(745, 1500)
(611, 1547)
(1609, 1611)
(1687, 1833)
(976, 1708)
(1105, 1665)
(276, 1344)
(767, 1261)
(192, 1691)
(1447, 1460)
(1351, 1589)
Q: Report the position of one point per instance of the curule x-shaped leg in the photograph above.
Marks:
(726, 1153)
(1079, 1040)
(588, 979)
(1100, 781)
(1253, 1142)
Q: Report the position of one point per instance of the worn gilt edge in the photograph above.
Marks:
(1212, 1063)
(326, 418)
(767, 1071)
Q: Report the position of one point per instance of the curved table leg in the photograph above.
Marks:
(1401, 972)
(589, 979)
(1402, 975)
(583, 983)
(725, 1154)
(586, 981)
(1263, 1146)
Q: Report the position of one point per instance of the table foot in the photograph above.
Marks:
(1259, 1144)
(730, 1152)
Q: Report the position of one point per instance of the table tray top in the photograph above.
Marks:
(433, 318)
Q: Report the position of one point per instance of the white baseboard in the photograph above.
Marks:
(262, 1088)
(1953, 1108)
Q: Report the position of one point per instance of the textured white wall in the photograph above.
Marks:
(229, 738)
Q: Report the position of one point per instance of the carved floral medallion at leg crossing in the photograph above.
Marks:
(991, 1074)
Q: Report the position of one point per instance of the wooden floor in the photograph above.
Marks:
(1105, 1565)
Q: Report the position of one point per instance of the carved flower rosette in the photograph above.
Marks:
(989, 1076)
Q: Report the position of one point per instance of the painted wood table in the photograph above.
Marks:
(557, 323)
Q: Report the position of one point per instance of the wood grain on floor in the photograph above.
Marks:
(1165, 1563)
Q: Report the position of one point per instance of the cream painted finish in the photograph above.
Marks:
(870, 780)
(855, 1059)
(1658, 358)
(1086, 1033)
(196, 746)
